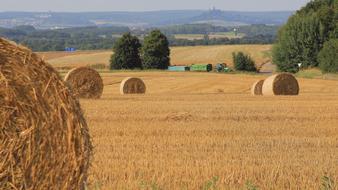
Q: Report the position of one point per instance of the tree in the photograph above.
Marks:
(206, 39)
(302, 38)
(243, 62)
(155, 51)
(298, 42)
(328, 57)
(126, 53)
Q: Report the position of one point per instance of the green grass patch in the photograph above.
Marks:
(316, 74)
(310, 74)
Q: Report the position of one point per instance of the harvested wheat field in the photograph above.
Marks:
(205, 131)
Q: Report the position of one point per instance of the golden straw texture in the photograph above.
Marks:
(132, 86)
(44, 139)
(256, 88)
(85, 82)
(281, 84)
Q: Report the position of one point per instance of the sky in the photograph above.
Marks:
(149, 5)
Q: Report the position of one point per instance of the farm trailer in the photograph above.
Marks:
(201, 67)
(178, 68)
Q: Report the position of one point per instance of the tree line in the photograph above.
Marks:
(309, 39)
(259, 39)
(93, 38)
(85, 38)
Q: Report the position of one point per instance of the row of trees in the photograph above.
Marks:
(83, 38)
(309, 38)
(260, 39)
(130, 54)
(91, 38)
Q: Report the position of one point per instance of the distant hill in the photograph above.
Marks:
(51, 20)
(243, 18)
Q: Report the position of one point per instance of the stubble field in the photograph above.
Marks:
(205, 131)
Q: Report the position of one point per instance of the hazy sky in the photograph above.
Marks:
(146, 5)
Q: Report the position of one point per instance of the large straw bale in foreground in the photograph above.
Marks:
(256, 88)
(85, 82)
(281, 84)
(132, 86)
(44, 140)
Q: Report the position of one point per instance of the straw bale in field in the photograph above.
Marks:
(85, 82)
(44, 139)
(281, 84)
(132, 86)
(256, 88)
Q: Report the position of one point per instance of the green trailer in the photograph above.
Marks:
(201, 67)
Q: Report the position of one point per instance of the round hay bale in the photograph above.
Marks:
(256, 88)
(281, 84)
(44, 139)
(85, 82)
(132, 86)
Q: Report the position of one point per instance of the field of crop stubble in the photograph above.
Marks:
(205, 130)
(201, 130)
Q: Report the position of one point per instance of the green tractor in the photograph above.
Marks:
(222, 68)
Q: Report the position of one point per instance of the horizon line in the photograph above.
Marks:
(160, 10)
